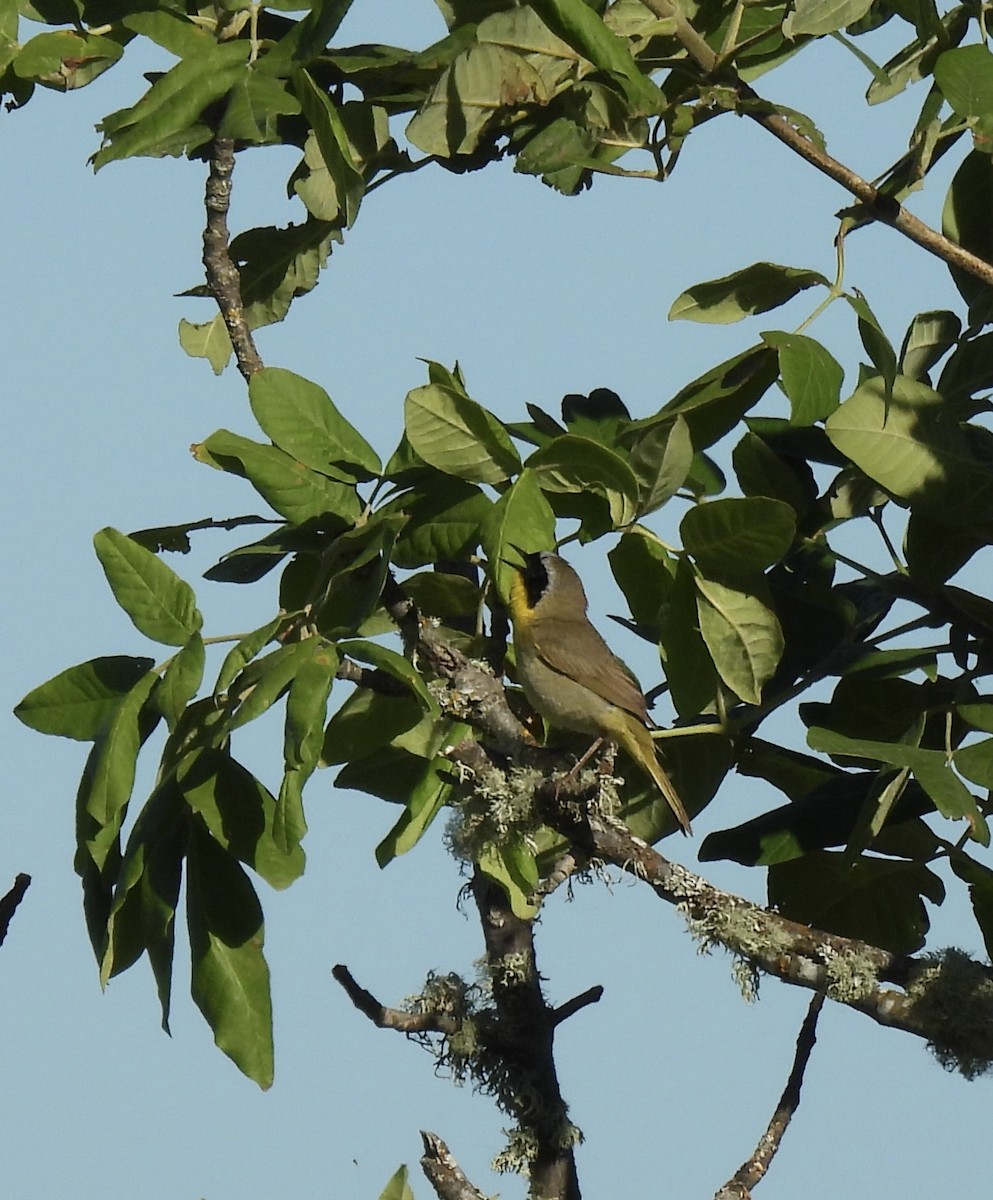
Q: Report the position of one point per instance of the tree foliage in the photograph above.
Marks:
(393, 575)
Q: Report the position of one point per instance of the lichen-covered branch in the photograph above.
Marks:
(9, 903)
(945, 998)
(392, 1018)
(223, 278)
(753, 1170)
(444, 1173)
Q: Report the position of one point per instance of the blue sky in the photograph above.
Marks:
(672, 1076)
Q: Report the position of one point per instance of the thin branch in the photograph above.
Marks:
(879, 206)
(223, 277)
(571, 1007)
(443, 1172)
(391, 1018)
(753, 1170)
(9, 903)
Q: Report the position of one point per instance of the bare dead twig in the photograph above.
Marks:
(753, 1170)
(223, 277)
(9, 903)
(391, 1018)
(565, 1011)
(444, 1173)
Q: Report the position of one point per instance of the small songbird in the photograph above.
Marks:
(569, 673)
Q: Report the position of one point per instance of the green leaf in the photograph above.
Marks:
(110, 779)
(661, 459)
(513, 868)
(911, 446)
(741, 631)
(574, 464)
(963, 219)
(306, 706)
(230, 983)
(426, 800)
(393, 664)
(579, 26)
(876, 900)
(332, 139)
(763, 472)
(523, 519)
(294, 490)
(263, 681)
(160, 604)
(715, 402)
(301, 419)
(170, 29)
(398, 1188)
(811, 376)
(689, 668)
(738, 537)
(79, 701)
(366, 722)
(965, 76)
(254, 105)
(164, 121)
(209, 340)
(644, 571)
(240, 812)
(458, 436)
(244, 651)
(181, 681)
(876, 343)
(444, 518)
(929, 337)
(755, 289)
(813, 18)
(289, 826)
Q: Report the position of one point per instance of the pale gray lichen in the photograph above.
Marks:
(951, 1000)
(851, 975)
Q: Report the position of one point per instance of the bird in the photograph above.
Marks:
(570, 675)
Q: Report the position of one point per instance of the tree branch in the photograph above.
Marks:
(223, 278)
(392, 1018)
(9, 903)
(946, 998)
(753, 1170)
(444, 1173)
(879, 207)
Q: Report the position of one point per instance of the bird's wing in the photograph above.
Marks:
(575, 649)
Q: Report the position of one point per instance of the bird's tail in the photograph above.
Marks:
(641, 747)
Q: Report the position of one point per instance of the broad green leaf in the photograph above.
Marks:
(78, 702)
(240, 655)
(964, 220)
(181, 681)
(393, 664)
(689, 668)
(230, 978)
(367, 722)
(577, 24)
(307, 38)
(172, 30)
(877, 900)
(398, 1188)
(240, 812)
(444, 520)
(762, 472)
(66, 60)
(426, 800)
(975, 761)
(165, 119)
(443, 595)
(935, 550)
(912, 446)
(289, 825)
(755, 289)
(301, 419)
(741, 631)
(263, 681)
(358, 570)
(458, 436)
(644, 571)
(661, 459)
(111, 778)
(979, 715)
(279, 264)
(929, 337)
(522, 519)
(979, 877)
(916, 60)
(293, 489)
(738, 536)
(306, 706)
(578, 464)
(254, 105)
(209, 340)
(513, 868)
(325, 120)
(965, 76)
(877, 344)
(601, 416)
(715, 402)
(160, 604)
(814, 18)
(811, 376)
(969, 369)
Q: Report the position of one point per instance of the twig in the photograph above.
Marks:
(391, 1018)
(443, 1172)
(223, 277)
(753, 1170)
(565, 1011)
(9, 903)
(879, 206)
